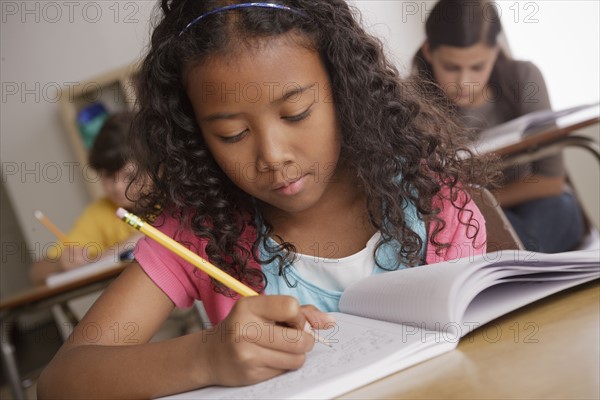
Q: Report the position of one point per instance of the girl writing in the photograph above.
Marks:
(463, 56)
(278, 143)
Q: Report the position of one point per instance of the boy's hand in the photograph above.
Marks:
(261, 338)
(74, 257)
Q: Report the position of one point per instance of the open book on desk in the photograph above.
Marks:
(391, 321)
(513, 131)
(104, 264)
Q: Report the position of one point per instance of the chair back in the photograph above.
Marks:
(500, 233)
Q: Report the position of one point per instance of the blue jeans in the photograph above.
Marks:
(549, 225)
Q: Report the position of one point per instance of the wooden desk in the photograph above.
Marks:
(37, 298)
(549, 349)
(545, 137)
(548, 142)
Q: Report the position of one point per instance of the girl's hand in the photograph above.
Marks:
(261, 338)
(316, 318)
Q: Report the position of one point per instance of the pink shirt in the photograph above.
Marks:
(184, 283)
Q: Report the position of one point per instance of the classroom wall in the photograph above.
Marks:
(13, 263)
(45, 45)
(399, 24)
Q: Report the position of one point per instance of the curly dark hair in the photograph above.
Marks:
(399, 123)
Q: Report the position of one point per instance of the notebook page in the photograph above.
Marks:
(437, 295)
(363, 351)
(419, 295)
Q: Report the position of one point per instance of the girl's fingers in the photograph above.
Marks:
(281, 360)
(272, 363)
(283, 310)
(273, 307)
(289, 340)
(275, 322)
(317, 318)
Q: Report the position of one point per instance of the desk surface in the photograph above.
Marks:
(543, 138)
(43, 292)
(548, 349)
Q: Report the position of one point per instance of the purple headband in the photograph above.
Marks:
(241, 5)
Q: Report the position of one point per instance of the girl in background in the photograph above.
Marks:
(96, 234)
(462, 56)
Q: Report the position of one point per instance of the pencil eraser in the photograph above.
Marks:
(38, 214)
(121, 212)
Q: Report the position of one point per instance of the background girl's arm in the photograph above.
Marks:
(108, 354)
(532, 188)
(550, 181)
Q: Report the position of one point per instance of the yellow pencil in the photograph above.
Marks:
(51, 227)
(194, 259)
(185, 253)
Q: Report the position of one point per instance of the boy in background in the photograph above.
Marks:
(97, 233)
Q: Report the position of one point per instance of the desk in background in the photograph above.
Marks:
(548, 142)
(37, 298)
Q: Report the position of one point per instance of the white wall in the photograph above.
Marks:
(399, 24)
(46, 45)
(562, 38)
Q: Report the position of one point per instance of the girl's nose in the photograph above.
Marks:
(273, 151)
(463, 78)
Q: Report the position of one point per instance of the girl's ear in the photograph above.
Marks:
(426, 51)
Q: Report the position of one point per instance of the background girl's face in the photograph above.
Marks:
(115, 185)
(267, 116)
(463, 72)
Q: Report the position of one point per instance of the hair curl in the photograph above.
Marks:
(399, 122)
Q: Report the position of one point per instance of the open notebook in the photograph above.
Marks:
(85, 271)
(511, 132)
(391, 321)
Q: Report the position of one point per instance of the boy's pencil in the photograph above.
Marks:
(194, 259)
(51, 227)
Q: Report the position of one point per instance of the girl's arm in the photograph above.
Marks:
(108, 354)
(532, 188)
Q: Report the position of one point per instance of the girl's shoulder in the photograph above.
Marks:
(525, 71)
(462, 226)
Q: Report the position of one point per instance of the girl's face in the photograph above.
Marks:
(115, 185)
(267, 116)
(463, 72)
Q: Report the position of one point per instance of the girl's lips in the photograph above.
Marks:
(290, 188)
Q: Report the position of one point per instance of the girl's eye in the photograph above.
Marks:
(298, 117)
(236, 138)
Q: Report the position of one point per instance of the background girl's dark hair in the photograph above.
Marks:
(465, 23)
(109, 153)
(395, 124)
